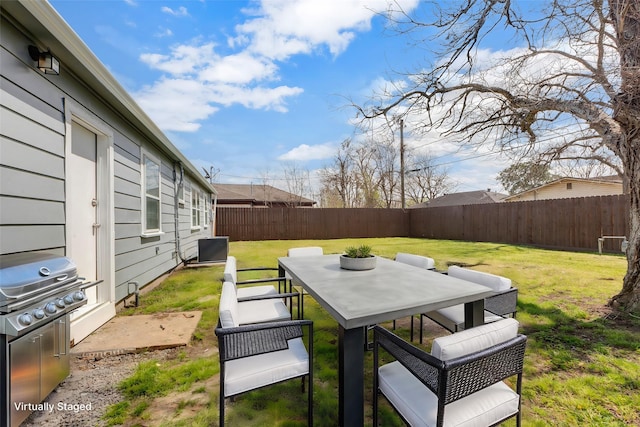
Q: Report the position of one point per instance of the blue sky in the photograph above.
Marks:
(247, 86)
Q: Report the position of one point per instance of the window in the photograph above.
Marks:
(207, 208)
(151, 218)
(196, 208)
(569, 186)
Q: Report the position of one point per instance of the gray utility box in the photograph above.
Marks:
(213, 249)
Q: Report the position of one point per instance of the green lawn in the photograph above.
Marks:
(582, 364)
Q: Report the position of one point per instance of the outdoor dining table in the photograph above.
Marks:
(357, 299)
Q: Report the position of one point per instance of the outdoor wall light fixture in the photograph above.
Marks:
(47, 63)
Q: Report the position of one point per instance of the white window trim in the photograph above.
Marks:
(143, 176)
(196, 193)
(207, 207)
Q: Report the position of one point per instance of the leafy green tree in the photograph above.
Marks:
(524, 176)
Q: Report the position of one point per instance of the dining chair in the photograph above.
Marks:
(502, 303)
(419, 261)
(259, 309)
(248, 290)
(258, 355)
(460, 382)
(299, 252)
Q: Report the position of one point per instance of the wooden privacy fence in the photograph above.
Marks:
(303, 223)
(574, 224)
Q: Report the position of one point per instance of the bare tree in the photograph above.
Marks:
(298, 183)
(385, 157)
(569, 88)
(425, 181)
(339, 179)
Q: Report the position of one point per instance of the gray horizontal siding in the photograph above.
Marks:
(17, 211)
(28, 131)
(25, 157)
(23, 238)
(31, 185)
(32, 171)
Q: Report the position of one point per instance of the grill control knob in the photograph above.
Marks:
(68, 299)
(78, 296)
(50, 308)
(38, 313)
(25, 319)
(60, 303)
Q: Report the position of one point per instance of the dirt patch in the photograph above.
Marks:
(91, 387)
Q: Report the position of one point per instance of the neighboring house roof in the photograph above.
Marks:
(464, 198)
(46, 24)
(258, 195)
(569, 187)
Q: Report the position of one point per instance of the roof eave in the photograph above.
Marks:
(50, 28)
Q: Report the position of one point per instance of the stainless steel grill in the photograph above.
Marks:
(37, 293)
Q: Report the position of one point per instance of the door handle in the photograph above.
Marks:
(95, 227)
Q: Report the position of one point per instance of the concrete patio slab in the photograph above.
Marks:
(133, 334)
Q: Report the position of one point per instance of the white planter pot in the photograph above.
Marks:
(347, 263)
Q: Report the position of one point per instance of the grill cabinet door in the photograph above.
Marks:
(55, 355)
(24, 354)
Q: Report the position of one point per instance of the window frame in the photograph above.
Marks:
(146, 231)
(196, 209)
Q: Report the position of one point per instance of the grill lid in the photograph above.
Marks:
(24, 274)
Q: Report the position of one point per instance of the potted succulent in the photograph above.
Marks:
(358, 258)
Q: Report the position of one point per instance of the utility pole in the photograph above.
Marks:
(402, 198)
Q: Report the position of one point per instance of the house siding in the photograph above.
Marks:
(32, 170)
(579, 188)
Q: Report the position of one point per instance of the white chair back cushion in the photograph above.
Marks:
(497, 283)
(305, 251)
(230, 270)
(228, 307)
(416, 260)
(474, 339)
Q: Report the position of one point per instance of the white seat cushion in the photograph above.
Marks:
(419, 406)
(452, 318)
(497, 283)
(416, 260)
(269, 310)
(231, 275)
(257, 371)
(474, 339)
(233, 313)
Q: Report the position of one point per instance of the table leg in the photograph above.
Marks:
(473, 314)
(351, 376)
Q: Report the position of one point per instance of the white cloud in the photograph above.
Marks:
(176, 104)
(181, 11)
(283, 28)
(241, 68)
(306, 152)
(198, 79)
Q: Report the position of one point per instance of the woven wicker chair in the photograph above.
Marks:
(419, 261)
(501, 304)
(460, 382)
(255, 356)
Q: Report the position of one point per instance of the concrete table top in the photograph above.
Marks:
(390, 291)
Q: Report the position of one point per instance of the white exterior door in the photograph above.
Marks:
(82, 204)
(88, 224)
